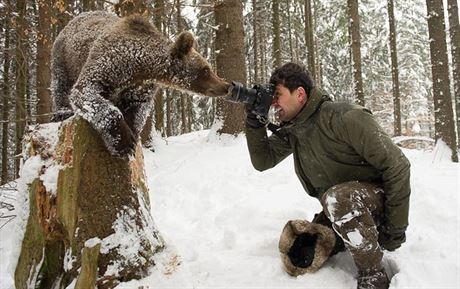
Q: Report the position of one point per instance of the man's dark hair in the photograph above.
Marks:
(292, 75)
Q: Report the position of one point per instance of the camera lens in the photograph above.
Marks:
(239, 93)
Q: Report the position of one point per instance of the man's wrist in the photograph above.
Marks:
(253, 122)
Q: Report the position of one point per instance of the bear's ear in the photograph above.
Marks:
(183, 45)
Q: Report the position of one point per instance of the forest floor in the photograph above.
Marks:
(221, 220)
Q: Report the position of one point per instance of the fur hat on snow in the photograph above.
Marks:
(305, 246)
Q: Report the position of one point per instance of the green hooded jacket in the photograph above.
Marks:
(333, 143)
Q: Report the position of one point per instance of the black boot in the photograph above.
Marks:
(373, 279)
(321, 218)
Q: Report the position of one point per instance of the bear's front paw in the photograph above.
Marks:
(124, 141)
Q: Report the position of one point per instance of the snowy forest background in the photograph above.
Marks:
(320, 34)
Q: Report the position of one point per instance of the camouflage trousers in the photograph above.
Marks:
(355, 210)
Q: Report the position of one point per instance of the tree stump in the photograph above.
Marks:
(90, 222)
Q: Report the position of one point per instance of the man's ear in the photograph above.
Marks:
(183, 45)
(302, 97)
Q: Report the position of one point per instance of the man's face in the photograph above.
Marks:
(290, 102)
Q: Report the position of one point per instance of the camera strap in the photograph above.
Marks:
(276, 130)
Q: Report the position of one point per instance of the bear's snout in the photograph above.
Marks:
(221, 90)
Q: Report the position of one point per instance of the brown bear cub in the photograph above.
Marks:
(107, 69)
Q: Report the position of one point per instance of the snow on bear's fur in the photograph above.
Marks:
(107, 69)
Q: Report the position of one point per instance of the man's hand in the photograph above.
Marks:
(253, 121)
(391, 240)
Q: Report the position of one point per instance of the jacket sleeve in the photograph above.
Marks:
(369, 140)
(265, 152)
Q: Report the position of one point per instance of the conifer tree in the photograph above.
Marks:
(230, 60)
(443, 113)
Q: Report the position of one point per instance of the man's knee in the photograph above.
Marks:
(352, 197)
(338, 201)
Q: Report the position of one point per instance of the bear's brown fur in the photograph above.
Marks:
(107, 70)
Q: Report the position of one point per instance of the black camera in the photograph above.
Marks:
(257, 99)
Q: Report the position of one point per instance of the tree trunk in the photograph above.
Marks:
(454, 31)
(394, 70)
(6, 92)
(266, 61)
(159, 99)
(146, 133)
(443, 112)
(128, 7)
(190, 115)
(181, 25)
(44, 44)
(20, 79)
(184, 98)
(95, 226)
(183, 113)
(157, 111)
(276, 34)
(29, 103)
(230, 61)
(255, 40)
(182, 103)
(356, 50)
(100, 4)
(169, 128)
(289, 21)
(63, 14)
(88, 5)
(316, 43)
(263, 55)
(309, 38)
(177, 115)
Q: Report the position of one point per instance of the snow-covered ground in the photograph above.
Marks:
(221, 220)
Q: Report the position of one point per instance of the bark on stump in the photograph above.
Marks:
(95, 230)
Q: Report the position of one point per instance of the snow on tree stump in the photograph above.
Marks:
(89, 222)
